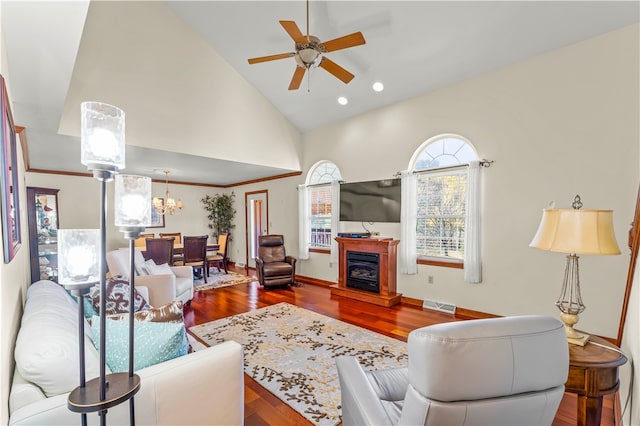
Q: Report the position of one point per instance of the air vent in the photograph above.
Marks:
(439, 306)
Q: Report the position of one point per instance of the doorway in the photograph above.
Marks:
(257, 220)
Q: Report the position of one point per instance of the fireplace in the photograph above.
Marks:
(363, 271)
(367, 270)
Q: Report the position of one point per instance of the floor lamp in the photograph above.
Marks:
(575, 231)
(83, 257)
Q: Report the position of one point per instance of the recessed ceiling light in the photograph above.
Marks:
(378, 87)
(342, 100)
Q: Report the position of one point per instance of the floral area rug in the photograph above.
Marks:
(291, 351)
(220, 279)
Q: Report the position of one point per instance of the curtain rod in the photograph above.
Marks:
(311, 185)
(483, 163)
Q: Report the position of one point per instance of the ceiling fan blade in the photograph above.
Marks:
(297, 78)
(292, 28)
(335, 69)
(355, 39)
(271, 57)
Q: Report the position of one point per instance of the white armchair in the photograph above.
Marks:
(499, 371)
(163, 288)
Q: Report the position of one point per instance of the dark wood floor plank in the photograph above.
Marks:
(264, 408)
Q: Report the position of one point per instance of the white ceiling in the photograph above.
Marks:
(411, 46)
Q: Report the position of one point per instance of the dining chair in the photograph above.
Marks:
(220, 256)
(140, 242)
(160, 250)
(195, 253)
(176, 235)
(178, 258)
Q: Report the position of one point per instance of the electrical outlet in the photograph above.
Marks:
(430, 279)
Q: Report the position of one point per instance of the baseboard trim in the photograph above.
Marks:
(410, 301)
(464, 313)
(313, 281)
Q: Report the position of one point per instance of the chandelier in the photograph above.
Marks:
(169, 204)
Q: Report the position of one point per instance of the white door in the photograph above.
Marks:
(257, 220)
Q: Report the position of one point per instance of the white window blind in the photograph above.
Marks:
(441, 211)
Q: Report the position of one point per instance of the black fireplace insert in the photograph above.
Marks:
(363, 271)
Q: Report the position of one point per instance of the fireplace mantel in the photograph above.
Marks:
(387, 249)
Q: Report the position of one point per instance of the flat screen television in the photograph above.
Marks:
(371, 201)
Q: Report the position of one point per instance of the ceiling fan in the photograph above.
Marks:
(309, 52)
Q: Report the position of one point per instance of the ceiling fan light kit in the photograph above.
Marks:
(309, 53)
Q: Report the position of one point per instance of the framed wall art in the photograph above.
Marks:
(157, 219)
(9, 191)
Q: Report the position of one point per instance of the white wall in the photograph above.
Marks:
(13, 276)
(235, 122)
(79, 205)
(282, 214)
(561, 124)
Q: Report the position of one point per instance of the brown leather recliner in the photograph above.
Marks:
(273, 265)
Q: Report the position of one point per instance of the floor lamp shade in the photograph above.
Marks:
(102, 135)
(79, 260)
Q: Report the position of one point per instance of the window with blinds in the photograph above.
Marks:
(441, 165)
(320, 198)
(441, 200)
(319, 181)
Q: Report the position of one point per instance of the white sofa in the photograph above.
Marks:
(162, 288)
(202, 388)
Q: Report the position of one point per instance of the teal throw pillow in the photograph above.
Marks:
(154, 342)
(89, 309)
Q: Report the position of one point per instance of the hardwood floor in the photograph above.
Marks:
(261, 406)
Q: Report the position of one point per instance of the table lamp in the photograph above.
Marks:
(575, 231)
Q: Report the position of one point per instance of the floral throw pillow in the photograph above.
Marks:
(171, 312)
(117, 297)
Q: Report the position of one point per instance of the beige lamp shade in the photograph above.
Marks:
(576, 231)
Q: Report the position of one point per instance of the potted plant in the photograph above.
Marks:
(220, 212)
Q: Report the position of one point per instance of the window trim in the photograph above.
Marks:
(310, 186)
(436, 261)
(319, 250)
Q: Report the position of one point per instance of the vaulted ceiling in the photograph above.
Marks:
(412, 47)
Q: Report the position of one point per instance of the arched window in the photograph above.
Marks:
(319, 180)
(441, 168)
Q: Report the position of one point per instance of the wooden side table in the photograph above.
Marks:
(593, 373)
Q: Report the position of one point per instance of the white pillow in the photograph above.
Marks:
(141, 268)
(153, 269)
